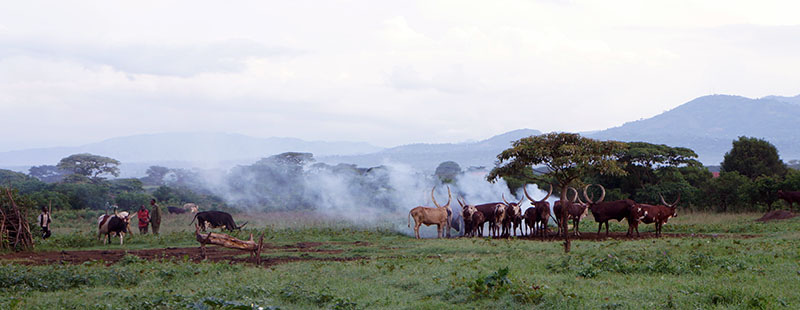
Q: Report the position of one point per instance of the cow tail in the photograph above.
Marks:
(194, 218)
(409, 219)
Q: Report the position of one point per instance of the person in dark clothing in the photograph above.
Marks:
(155, 216)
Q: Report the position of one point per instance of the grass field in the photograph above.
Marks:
(315, 263)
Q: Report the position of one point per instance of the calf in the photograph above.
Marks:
(488, 210)
(612, 210)
(576, 211)
(658, 214)
(539, 213)
(473, 220)
(118, 224)
(439, 216)
(215, 219)
(790, 197)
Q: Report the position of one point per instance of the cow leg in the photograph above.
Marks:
(599, 227)
(607, 228)
(121, 235)
(439, 231)
(416, 230)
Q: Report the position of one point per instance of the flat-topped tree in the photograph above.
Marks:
(568, 157)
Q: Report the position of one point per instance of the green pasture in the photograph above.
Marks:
(731, 263)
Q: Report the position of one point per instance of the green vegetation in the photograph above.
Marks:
(728, 267)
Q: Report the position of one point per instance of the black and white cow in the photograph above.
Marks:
(118, 223)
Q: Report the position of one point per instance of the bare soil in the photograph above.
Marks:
(590, 236)
(776, 215)
(213, 253)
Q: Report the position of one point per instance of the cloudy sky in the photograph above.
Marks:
(383, 72)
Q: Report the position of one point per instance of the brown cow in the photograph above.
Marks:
(439, 216)
(790, 197)
(575, 212)
(473, 220)
(658, 214)
(488, 211)
(513, 219)
(540, 214)
(612, 210)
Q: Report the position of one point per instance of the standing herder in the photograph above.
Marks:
(144, 219)
(44, 222)
(155, 216)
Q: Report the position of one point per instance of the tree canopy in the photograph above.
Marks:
(753, 157)
(90, 165)
(567, 156)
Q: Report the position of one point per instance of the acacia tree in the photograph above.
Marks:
(89, 165)
(568, 157)
(753, 157)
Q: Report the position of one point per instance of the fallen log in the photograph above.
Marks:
(230, 242)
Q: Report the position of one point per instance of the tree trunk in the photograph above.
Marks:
(563, 224)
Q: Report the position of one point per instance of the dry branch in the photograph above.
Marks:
(230, 242)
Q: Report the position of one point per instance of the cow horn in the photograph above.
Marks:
(670, 205)
(534, 200)
(519, 203)
(434, 197)
(603, 193)
(460, 203)
(585, 196)
(449, 197)
(504, 200)
(571, 189)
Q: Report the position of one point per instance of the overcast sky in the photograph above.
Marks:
(388, 73)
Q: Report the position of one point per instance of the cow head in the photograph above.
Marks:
(125, 217)
(673, 207)
(513, 208)
(577, 202)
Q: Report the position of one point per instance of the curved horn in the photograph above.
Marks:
(670, 205)
(548, 193)
(519, 203)
(572, 189)
(504, 200)
(449, 197)
(460, 203)
(603, 195)
(534, 200)
(524, 190)
(434, 197)
(585, 196)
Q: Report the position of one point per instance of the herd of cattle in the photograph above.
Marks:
(505, 218)
(119, 223)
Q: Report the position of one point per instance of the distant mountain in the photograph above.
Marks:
(709, 124)
(185, 148)
(428, 156)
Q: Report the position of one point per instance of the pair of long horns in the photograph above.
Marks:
(508, 203)
(534, 200)
(576, 197)
(434, 198)
(674, 204)
(602, 195)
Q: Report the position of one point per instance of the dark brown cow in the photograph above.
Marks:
(612, 210)
(473, 220)
(658, 214)
(540, 213)
(488, 210)
(575, 212)
(790, 197)
(513, 219)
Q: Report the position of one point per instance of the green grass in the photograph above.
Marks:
(398, 272)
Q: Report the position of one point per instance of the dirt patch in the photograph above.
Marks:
(776, 215)
(193, 254)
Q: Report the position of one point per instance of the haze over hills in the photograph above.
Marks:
(709, 124)
(428, 156)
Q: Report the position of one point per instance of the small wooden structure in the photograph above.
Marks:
(227, 241)
(15, 233)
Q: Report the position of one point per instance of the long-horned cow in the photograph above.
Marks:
(513, 218)
(118, 224)
(612, 210)
(576, 211)
(439, 216)
(489, 214)
(658, 214)
(539, 213)
(473, 219)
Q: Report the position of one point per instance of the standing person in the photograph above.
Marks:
(155, 216)
(144, 219)
(44, 222)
